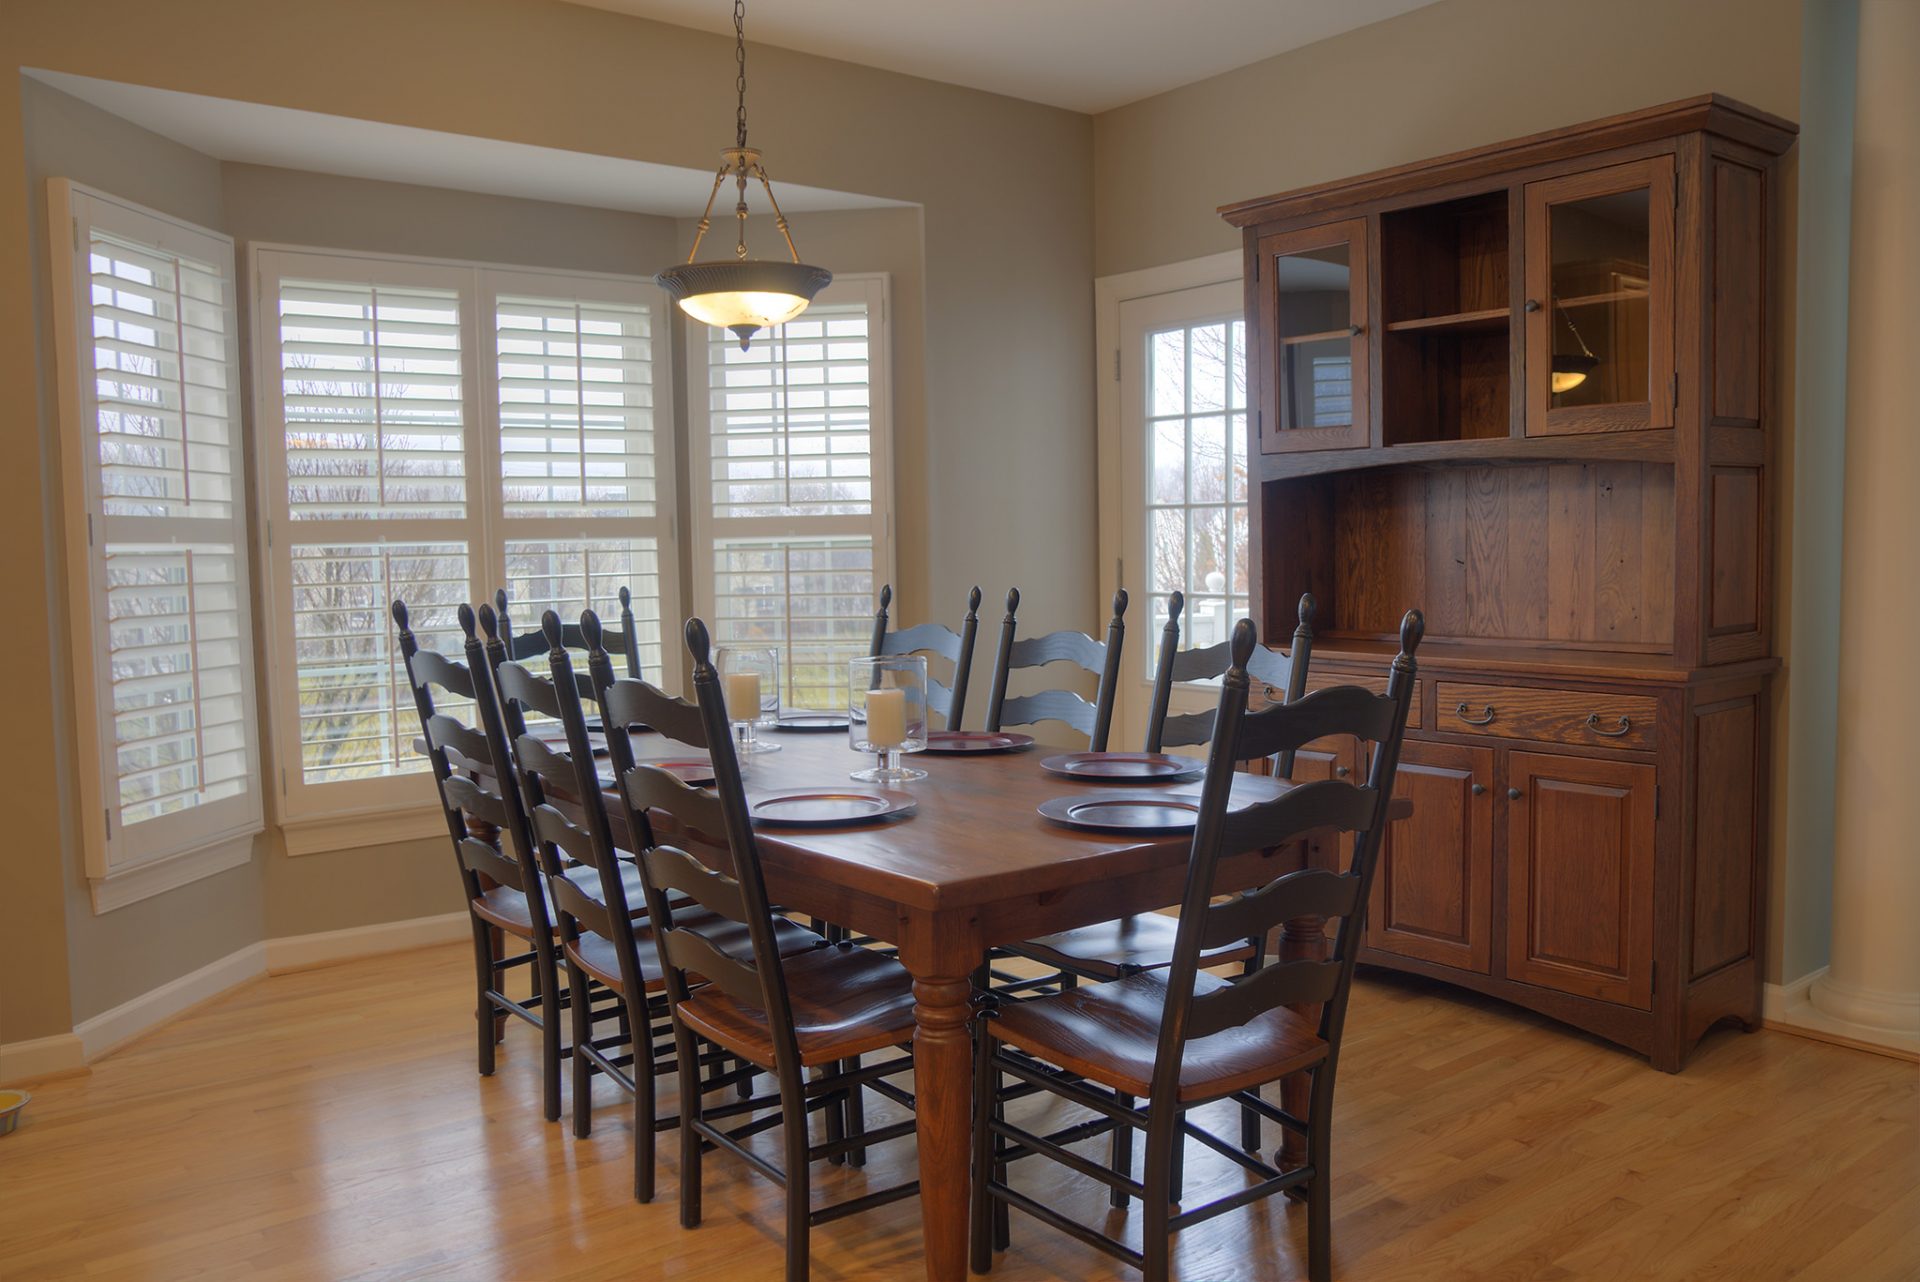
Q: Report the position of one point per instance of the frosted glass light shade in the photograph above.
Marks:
(744, 296)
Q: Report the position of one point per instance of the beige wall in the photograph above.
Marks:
(1455, 75)
(1006, 187)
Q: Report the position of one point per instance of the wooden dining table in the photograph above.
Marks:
(973, 866)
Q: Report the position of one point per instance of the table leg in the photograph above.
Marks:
(1303, 939)
(941, 953)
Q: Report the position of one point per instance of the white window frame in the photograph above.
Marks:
(175, 849)
(318, 817)
(1119, 457)
(875, 290)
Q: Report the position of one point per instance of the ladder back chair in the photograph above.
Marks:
(1180, 1038)
(490, 844)
(521, 646)
(1100, 658)
(933, 638)
(1281, 677)
(818, 1009)
(596, 899)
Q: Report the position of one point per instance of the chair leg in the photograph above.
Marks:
(687, 1051)
(1122, 1161)
(793, 1107)
(985, 1093)
(1250, 1120)
(1163, 1142)
(482, 1004)
(644, 1140)
(835, 1115)
(581, 1010)
(1177, 1164)
(856, 1114)
(745, 1088)
(1320, 1187)
(497, 939)
(546, 978)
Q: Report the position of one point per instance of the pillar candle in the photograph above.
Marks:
(743, 696)
(886, 718)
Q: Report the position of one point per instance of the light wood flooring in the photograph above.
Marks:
(329, 1124)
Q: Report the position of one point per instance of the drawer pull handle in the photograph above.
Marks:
(1479, 790)
(1485, 720)
(1593, 724)
(1513, 794)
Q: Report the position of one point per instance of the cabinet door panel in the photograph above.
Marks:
(1580, 857)
(1433, 894)
(1313, 338)
(1599, 309)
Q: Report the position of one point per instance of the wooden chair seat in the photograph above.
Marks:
(1110, 1032)
(846, 1001)
(1126, 946)
(507, 908)
(598, 956)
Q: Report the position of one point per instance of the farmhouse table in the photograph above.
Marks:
(973, 867)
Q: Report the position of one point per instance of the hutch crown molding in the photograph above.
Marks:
(1530, 389)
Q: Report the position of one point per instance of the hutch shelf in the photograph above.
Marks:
(1531, 389)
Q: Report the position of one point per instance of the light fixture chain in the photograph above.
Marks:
(740, 59)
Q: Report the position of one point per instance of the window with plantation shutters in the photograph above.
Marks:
(792, 453)
(433, 432)
(156, 548)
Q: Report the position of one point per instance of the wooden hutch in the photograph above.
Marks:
(1530, 389)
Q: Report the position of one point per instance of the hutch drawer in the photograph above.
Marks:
(1320, 679)
(1554, 716)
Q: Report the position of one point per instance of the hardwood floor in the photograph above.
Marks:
(329, 1124)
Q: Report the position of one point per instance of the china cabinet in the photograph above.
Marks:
(1531, 389)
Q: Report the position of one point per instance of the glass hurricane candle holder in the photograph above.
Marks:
(750, 685)
(887, 714)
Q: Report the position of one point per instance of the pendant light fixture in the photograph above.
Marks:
(1570, 369)
(743, 294)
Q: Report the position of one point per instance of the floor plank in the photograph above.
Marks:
(329, 1124)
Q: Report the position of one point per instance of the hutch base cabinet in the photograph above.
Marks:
(1530, 389)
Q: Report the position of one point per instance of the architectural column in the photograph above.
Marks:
(1874, 978)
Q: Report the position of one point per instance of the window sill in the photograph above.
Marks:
(323, 834)
(144, 881)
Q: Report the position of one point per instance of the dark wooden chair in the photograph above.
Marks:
(814, 1010)
(489, 831)
(1179, 1038)
(1276, 676)
(933, 638)
(1094, 719)
(521, 646)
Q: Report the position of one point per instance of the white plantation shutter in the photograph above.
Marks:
(164, 671)
(431, 432)
(793, 447)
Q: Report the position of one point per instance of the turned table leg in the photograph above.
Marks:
(943, 1099)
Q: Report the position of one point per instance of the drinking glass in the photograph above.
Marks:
(887, 714)
(750, 683)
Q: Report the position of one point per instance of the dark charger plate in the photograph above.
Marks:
(1123, 767)
(959, 741)
(810, 722)
(827, 807)
(1134, 812)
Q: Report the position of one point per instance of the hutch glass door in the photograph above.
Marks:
(1313, 306)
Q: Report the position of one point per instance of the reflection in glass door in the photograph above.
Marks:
(1313, 300)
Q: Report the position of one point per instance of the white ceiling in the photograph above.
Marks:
(255, 134)
(1085, 55)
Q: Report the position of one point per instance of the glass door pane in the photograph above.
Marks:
(1313, 301)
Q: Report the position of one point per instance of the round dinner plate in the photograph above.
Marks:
(695, 772)
(959, 741)
(1135, 812)
(827, 807)
(1128, 767)
(810, 722)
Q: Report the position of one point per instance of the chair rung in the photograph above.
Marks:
(855, 1205)
(1271, 1113)
(502, 1002)
(1031, 1143)
(1246, 1196)
(834, 1148)
(1032, 1072)
(1230, 1152)
(1072, 1228)
(721, 1139)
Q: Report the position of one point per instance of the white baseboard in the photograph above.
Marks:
(1777, 999)
(92, 1038)
(129, 1019)
(1790, 1009)
(298, 952)
(41, 1057)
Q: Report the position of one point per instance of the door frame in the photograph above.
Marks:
(1109, 293)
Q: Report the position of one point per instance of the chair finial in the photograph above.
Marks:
(1245, 637)
(1013, 601)
(1119, 603)
(1413, 626)
(886, 595)
(626, 597)
(550, 624)
(698, 643)
(489, 622)
(1175, 603)
(973, 599)
(590, 630)
(1307, 606)
(500, 599)
(465, 613)
(400, 614)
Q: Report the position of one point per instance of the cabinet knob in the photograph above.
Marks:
(1533, 305)
(1513, 794)
(1342, 771)
(1354, 331)
(1479, 790)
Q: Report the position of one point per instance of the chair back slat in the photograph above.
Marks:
(1310, 892)
(1074, 647)
(1283, 675)
(479, 857)
(626, 703)
(623, 640)
(687, 810)
(554, 828)
(531, 690)
(448, 734)
(948, 700)
(461, 792)
(433, 668)
(672, 868)
(1221, 832)
(1281, 984)
(692, 953)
